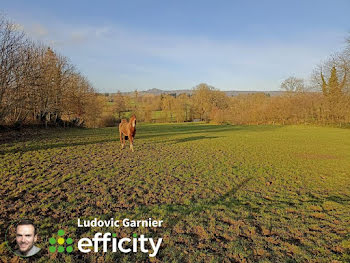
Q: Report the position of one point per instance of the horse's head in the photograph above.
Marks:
(133, 121)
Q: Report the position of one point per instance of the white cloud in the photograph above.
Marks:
(78, 37)
(38, 30)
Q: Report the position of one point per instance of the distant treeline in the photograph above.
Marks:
(39, 86)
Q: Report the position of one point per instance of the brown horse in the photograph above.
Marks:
(127, 129)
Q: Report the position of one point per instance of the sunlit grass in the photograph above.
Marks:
(226, 193)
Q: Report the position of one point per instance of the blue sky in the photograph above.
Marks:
(231, 45)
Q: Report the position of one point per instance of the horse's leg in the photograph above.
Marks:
(121, 139)
(131, 139)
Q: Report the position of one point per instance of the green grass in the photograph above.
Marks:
(226, 193)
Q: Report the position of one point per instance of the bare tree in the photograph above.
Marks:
(11, 43)
(293, 84)
(37, 83)
(119, 104)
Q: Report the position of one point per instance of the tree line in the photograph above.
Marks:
(39, 86)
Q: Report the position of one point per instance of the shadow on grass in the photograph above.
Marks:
(37, 134)
(338, 199)
(147, 131)
(183, 210)
(194, 138)
(174, 129)
(25, 149)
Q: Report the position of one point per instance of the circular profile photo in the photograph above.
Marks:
(22, 238)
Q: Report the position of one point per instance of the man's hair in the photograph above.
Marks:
(26, 222)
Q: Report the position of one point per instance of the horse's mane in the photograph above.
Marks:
(133, 117)
(133, 120)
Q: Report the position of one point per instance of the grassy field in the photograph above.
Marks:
(225, 193)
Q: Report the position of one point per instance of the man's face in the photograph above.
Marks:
(25, 237)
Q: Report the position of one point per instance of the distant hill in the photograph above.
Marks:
(229, 93)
